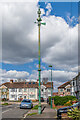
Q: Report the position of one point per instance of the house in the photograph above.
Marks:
(46, 90)
(28, 90)
(64, 89)
(75, 86)
(4, 92)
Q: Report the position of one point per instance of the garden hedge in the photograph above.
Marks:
(61, 100)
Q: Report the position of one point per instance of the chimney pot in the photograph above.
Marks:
(11, 81)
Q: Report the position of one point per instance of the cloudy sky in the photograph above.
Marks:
(59, 41)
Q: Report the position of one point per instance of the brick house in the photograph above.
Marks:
(64, 89)
(28, 90)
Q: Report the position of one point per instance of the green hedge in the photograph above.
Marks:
(61, 100)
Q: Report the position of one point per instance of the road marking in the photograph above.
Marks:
(7, 106)
(6, 110)
(9, 109)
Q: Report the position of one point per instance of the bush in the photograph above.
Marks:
(5, 104)
(4, 99)
(61, 100)
(75, 113)
(69, 103)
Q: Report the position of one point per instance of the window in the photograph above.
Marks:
(4, 90)
(25, 89)
(29, 82)
(31, 89)
(49, 90)
(13, 90)
(61, 90)
(20, 90)
(32, 96)
(12, 96)
(68, 90)
(3, 96)
(33, 82)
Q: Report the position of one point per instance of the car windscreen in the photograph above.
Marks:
(28, 101)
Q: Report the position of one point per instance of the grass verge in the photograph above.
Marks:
(35, 107)
(32, 114)
(55, 108)
(5, 104)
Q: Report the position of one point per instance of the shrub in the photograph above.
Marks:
(5, 104)
(61, 100)
(75, 113)
(69, 103)
(4, 99)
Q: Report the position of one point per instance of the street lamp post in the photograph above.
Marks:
(51, 84)
(39, 57)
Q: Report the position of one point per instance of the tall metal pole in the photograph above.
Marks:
(51, 84)
(51, 87)
(39, 24)
(39, 57)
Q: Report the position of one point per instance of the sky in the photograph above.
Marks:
(59, 41)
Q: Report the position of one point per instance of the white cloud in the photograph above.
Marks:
(49, 8)
(59, 77)
(59, 42)
(12, 74)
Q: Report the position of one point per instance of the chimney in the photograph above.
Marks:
(11, 81)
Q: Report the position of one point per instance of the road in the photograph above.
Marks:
(13, 111)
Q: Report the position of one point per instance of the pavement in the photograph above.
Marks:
(47, 113)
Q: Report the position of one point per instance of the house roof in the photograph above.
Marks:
(25, 84)
(64, 85)
(55, 93)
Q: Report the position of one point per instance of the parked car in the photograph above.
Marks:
(65, 109)
(42, 99)
(26, 103)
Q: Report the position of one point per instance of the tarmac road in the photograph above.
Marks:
(13, 111)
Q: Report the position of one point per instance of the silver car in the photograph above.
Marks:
(26, 103)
